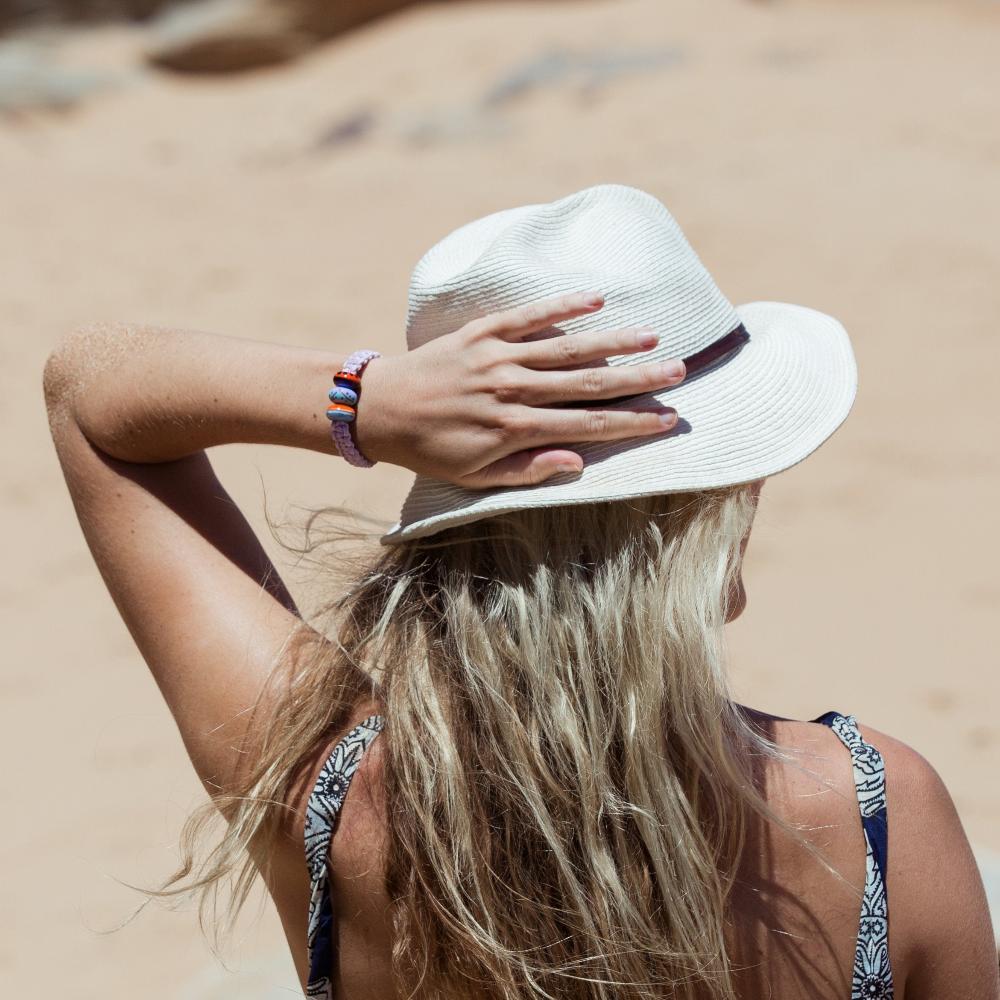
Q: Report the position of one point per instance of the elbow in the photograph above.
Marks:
(57, 375)
(70, 363)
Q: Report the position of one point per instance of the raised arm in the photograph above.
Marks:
(133, 410)
(148, 395)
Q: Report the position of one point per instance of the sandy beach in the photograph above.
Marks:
(841, 155)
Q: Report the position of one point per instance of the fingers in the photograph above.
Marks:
(593, 384)
(514, 324)
(530, 375)
(573, 350)
(525, 468)
(530, 466)
(528, 427)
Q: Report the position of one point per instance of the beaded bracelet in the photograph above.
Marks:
(343, 408)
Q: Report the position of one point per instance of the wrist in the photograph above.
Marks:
(373, 424)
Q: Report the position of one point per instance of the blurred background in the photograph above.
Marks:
(273, 168)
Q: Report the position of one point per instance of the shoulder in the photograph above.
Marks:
(922, 816)
(909, 772)
(941, 934)
(910, 778)
(937, 901)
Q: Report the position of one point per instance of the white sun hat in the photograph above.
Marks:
(767, 383)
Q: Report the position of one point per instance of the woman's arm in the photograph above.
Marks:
(450, 409)
(133, 411)
(144, 394)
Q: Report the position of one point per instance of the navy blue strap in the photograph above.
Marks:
(321, 820)
(872, 978)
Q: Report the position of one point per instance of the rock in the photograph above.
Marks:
(213, 36)
(590, 71)
(347, 130)
(540, 71)
(450, 124)
(30, 79)
(222, 36)
(17, 13)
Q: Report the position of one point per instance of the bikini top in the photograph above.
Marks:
(872, 976)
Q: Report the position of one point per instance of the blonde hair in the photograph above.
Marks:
(567, 774)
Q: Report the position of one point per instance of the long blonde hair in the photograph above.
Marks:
(566, 772)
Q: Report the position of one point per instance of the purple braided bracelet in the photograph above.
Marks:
(341, 430)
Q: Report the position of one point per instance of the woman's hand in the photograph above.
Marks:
(479, 407)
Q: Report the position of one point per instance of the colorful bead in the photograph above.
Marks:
(347, 381)
(340, 394)
(340, 413)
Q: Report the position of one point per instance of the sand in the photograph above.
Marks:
(839, 155)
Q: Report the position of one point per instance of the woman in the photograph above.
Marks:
(564, 801)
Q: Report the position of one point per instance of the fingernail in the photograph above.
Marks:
(672, 369)
(593, 299)
(669, 418)
(648, 338)
(566, 468)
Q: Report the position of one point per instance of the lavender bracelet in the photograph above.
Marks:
(342, 410)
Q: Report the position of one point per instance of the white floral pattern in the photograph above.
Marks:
(872, 979)
(321, 820)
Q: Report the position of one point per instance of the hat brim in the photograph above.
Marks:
(758, 413)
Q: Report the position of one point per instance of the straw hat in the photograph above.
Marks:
(767, 383)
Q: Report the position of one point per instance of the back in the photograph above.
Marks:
(797, 928)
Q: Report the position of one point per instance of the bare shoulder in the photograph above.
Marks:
(909, 772)
(937, 901)
(940, 932)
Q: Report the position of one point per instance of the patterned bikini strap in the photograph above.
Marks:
(330, 788)
(321, 820)
(869, 781)
(872, 978)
